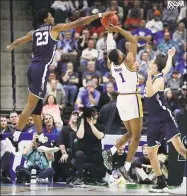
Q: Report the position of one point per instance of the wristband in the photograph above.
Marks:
(100, 15)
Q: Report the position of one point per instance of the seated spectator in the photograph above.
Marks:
(180, 54)
(155, 25)
(171, 103)
(97, 82)
(106, 96)
(108, 78)
(182, 65)
(89, 148)
(83, 40)
(87, 75)
(124, 46)
(51, 107)
(70, 80)
(89, 96)
(37, 157)
(29, 124)
(98, 6)
(115, 7)
(109, 117)
(126, 5)
(148, 49)
(174, 82)
(59, 95)
(5, 158)
(137, 9)
(4, 126)
(182, 99)
(170, 16)
(144, 35)
(180, 34)
(166, 44)
(14, 118)
(101, 65)
(144, 64)
(141, 85)
(52, 76)
(150, 12)
(88, 54)
(67, 44)
(81, 5)
(143, 169)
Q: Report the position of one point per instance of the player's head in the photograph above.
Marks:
(116, 56)
(44, 16)
(159, 63)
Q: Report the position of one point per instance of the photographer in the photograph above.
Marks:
(89, 148)
(38, 157)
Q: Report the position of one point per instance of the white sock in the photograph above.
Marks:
(16, 135)
(113, 150)
(127, 166)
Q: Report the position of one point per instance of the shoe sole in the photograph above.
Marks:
(129, 182)
(164, 190)
(106, 163)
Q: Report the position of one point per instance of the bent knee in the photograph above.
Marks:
(79, 154)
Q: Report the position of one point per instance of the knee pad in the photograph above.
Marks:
(38, 108)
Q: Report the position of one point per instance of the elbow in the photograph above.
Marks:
(81, 21)
(80, 136)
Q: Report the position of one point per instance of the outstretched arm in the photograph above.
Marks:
(171, 53)
(80, 22)
(20, 41)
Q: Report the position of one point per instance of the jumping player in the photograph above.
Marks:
(44, 45)
(128, 101)
(160, 120)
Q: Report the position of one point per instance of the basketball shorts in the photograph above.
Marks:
(129, 106)
(37, 76)
(157, 129)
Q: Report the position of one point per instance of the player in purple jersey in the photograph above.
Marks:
(160, 120)
(44, 46)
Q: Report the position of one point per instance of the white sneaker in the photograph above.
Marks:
(42, 180)
(179, 190)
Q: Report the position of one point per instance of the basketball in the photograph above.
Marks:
(110, 19)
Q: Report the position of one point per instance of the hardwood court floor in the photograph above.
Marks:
(63, 189)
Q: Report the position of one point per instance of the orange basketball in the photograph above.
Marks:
(110, 19)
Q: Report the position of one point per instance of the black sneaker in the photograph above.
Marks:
(126, 175)
(79, 181)
(160, 187)
(108, 159)
(146, 181)
(101, 182)
(90, 181)
(6, 180)
(70, 180)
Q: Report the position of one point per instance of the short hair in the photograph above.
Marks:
(160, 61)
(113, 56)
(41, 15)
(13, 113)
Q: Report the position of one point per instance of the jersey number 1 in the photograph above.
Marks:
(42, 38)
(122, 78)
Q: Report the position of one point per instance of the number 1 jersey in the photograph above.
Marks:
(126, 80)
(44, 46)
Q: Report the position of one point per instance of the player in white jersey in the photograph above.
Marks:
(128, 102)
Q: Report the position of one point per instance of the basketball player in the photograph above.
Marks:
(128, 101)
(160, 120)
(44, 45)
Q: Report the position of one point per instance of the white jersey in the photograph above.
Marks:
(126, 80)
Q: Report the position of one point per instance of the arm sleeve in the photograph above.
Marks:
(110, 41)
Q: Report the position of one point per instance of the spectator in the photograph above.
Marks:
(87, 75)
(89, 148)
(182, 66)
(89, 54)
(166, 43)
(138, 9)
(155, 24)
(101, 65)
(115, 7)
(124, 46)
(144, 35)
(70, 80)
(89, 96)
(171, 103)
(144, 64)
(81, 5)
(182, 100)
(14, 118)
(182, 14)
(180, 34)
(83, 40)
(97, 7)
(179, 56)
(97, 82)
(4, 126)
(51, 107)
(109, 117)
(150, 12)
(148, 49)
(59, 95)
(67, 44)
(174, 82)
(141, 85)
(29, 124)
(106, 96)
(37, 157)
(126, 5)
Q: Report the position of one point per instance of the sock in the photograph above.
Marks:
(16, 135)
(127, 166)
(113, 150)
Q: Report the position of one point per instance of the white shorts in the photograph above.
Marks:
(129, 106)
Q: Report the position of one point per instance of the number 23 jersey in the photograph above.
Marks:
(44, 46)
(126, 80)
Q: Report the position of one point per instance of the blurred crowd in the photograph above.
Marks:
(80, 78)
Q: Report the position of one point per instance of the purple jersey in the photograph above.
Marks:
(44, 46)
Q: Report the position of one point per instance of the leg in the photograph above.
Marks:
(176, 141)
(73, 93)
(66, 89)
(79, 161)
(5, 164)
(46, 173)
